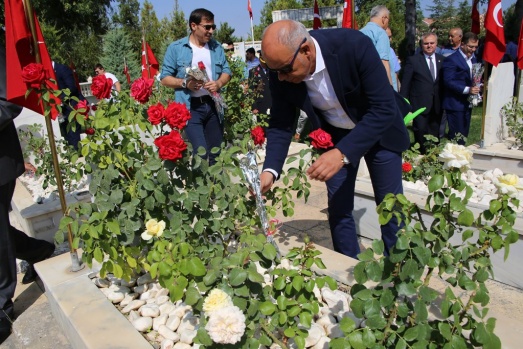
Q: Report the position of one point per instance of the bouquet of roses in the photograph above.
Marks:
(477, 73)
(199, 73)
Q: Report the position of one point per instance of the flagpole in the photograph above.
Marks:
(145, 53)
(352, 18)
(484, 109)
(518, 83)
(252, 33)
(76, 264)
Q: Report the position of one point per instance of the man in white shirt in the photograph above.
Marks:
(100, 70)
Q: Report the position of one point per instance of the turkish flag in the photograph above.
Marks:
(495, 38)
(348, 20)
(20, 52)
(475, 18)
(150, 65)
(126, 72)
(249, 8)
(520, 47)
(316, 24)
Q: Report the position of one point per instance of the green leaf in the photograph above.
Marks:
(401, 344)
(356, 340)
(466, 218)
(196, 267)
(267, 308)
(347, 325)
(435, 183)
(300, 342)
(237, 276)
(98, 256)
(269, 251)
(411, 334)
(192, 295)
(297, 282)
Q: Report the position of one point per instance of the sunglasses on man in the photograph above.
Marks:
(288, 68)
(208, 27)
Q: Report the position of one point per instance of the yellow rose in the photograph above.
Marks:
(153, 228)
(217, 299)
(509, 179)
(508, 184)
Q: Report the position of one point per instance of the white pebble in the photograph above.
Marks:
(143, 324)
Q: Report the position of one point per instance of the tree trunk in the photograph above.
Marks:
(410, 26)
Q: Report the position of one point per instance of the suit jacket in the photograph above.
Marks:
(418, 86)
(456, 76)
(11, 158)
(259, 83)
(65, 79)
(360, 82)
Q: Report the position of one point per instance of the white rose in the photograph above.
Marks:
(226, 325)
(509, 184)
(153, 228)
(455, 155)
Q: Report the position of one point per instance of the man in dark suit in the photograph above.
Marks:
(421, 86)
(458, 85)
(65, 79)
(13, 243)
(336, 77)
(259, 84)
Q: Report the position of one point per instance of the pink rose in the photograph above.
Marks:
(171, 146)
(142, 89)
(176, 115)
(34, 74)
(156, 113)
(101, 87)
(321, 139)
(257, 135)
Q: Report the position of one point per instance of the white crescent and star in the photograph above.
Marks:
(495, 14)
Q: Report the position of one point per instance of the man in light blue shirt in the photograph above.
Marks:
(375, 30)
(395, 66)
(205, 128)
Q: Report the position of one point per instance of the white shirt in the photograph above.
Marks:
(201, 54)
(322, 95)
(113, 78)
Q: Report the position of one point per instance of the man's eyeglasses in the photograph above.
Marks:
(288, 68)
(471, 47)
(208, 26)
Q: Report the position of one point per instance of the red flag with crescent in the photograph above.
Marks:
(20, 52)
(475, 28)
(316, 23)
(150, 65)
(249, 8)
(495, 38)
(348, 21)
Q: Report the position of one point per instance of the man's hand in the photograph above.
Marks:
(474, 90)
(327, 165)
(266, 181)
(211, 86)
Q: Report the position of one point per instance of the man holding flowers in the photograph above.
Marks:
(336, 77)
(205, 128)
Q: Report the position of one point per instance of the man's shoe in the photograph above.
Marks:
(5, 326)
(30, 275)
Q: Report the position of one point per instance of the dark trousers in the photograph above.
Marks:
(459, 123)
(426, 124)
(204, 129)
(385, 172)
(14, 244)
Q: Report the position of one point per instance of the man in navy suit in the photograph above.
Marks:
(65, 79)
(337, 78)
(458, 85)
(421, 86)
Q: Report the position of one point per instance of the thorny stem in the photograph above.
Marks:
(391, 318)
(428, 276)
(465, 310)
(272, 336)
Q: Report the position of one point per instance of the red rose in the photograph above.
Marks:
(34, 74)
(258, 136)
(89, 131)
(142, 89)
(101, 87)
(83, 108)
(171, 146)
(156, 113)
(406, 167)
(201, 66)
(176, 115)
(321, 139)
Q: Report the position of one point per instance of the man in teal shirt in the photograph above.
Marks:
(205, 128)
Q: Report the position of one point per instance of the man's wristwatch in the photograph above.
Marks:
(184, 83)
(344, 160)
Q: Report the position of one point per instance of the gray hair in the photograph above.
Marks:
(292, 35)
(379, 10)
(426, 35)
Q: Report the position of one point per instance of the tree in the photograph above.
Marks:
(462, 18)
(116, 46)
(152, 27)
(443, 13)
(224, 33)
(127, 19)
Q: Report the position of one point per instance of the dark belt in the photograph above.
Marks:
(201, 100)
